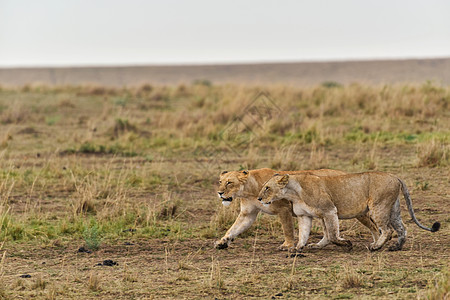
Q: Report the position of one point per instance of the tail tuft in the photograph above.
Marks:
(435, 227)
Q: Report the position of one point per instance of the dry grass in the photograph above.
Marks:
(135, 171)
(441, 288)
(94, 283)
(433, 154)
(39, 283)
(288, 158)
(350, 278)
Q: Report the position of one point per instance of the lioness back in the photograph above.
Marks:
(262, 175)
(351, 193)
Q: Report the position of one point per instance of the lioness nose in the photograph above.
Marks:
(259, 199)
(220, 193)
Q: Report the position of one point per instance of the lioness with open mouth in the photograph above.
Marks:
(345, 196)
(246, 186)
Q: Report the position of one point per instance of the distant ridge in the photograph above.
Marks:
(296, 73)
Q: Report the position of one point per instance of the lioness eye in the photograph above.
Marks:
(228, 182)
(267, 188)
(220, 181)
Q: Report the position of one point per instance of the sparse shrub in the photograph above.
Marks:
(433, 154)
(310, 135)
(159, 96)
(122, 126)
(317, 158)
(441, 288)
(287, 159)
(94, 283)
(204, 82)
(96, 91)
(183, 91)
(370, 164)
(90, 148)
(167, 208)
(215, 277)
(67, 103)
(15, 114)
(5, 140)
(423, 186)
(16, 231)
(145, 88)
(331, 84)
(51, 294)
(351, 278)
(52, 120)
(430, 88)
(84, 203)
(39, 283)
(121, 101)
(168, 211)
(3, 293)
(91, 236)
(224, 217)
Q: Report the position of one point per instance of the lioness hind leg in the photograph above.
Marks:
(386, 231)
(399, 227)
(368, 222)
(332, 225)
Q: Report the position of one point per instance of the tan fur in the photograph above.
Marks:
(345, 196)
(246, 186)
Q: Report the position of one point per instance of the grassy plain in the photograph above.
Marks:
(130, 174)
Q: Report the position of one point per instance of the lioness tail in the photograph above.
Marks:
(433, 228)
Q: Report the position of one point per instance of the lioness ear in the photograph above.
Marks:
(243, 176)
(283, 180)
(223, 172)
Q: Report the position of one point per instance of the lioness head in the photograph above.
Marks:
(273, 189)
(230, 184)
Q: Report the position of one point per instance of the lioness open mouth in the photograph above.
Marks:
(226, 201)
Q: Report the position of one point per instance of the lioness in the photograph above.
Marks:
(345, 196)
(246, 185)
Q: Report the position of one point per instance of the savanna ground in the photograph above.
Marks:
(130, 175)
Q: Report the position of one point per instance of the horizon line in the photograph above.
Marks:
(218, 63)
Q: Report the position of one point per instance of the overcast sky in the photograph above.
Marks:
(105, 32)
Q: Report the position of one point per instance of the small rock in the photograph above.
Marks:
(84, 250)
(279, 295)
(25, 276)
(295, 255)
(128, 244)
(107, 262)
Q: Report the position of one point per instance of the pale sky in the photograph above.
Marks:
(101, 32)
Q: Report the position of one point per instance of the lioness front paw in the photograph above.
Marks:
(222, 244)
(372, 247)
